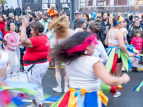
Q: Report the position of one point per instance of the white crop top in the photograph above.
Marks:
(113, 40)
(81, 75)
(3, 59)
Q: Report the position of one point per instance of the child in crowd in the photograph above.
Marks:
(137, 41)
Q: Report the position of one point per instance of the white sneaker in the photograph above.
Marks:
(57, 89)
(117, 94)
(66, 89)
(32, 105)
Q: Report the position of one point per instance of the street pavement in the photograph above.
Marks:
(129, 98)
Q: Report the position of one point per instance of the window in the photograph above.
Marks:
(100, 2)
(82, 3)
(63, 1)
(52, 1)
(69, 1)
(31, 1)
(44, 1)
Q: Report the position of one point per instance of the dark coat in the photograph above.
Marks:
(12, 11)
(102, 34)
(6, 12)
(18, 24)
(74, 24)
(18, 11)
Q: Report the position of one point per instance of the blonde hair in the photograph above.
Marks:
(11, 15)
(53, 7)
(60, 27)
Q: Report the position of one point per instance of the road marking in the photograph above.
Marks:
(30, 101)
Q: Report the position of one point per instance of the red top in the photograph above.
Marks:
(2, 27)
(40, 50)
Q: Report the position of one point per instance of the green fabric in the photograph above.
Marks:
(56, 104)
(138, 89)
(45, 24)
(119, 53)
(124, 58)
(11, 105)
(135, 51)
(110, 60)
(28, 91)
(105, 88)
(62, 64)
(141, 54)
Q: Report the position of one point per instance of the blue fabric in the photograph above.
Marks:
(129, 64)
(137, 57)
(91, 99)
(80, 102)
(53, 99)
(1, 43)
(136, 87)
(94, 15)
(130, 48)
(115, 23)
(18, 100)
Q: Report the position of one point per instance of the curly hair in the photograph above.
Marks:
(75, 40)
(60, 27)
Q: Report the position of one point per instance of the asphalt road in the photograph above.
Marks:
(129, 98)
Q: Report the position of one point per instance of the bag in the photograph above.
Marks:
(23, 76)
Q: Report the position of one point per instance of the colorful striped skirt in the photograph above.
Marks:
(82, 98)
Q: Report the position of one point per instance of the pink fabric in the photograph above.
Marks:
(138, 43)
(12, 39)
(135, 61)
(82, 46)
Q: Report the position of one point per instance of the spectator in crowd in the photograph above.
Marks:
(18, 11)
(111, 21)
(18, 22)
(93, 15)
(38, 16)
(31, 16)
(52, 11)
(2, 24)
(81, 24)
(136, 18)
(131, 22)
(91, 20)
(11, 15)
(28, 11)
(13, 45)
(126, 25)
(45, 21)
(74, 23)
(136, 27)
(5, 17)
(1, 9)
(119, 14)
(137, 41)
(52, 18)
(105, 26)
(141, 22)
(28, 28)
(100, 15)
(86, 16)
(6, 11)
(12, 10)
(12, 20)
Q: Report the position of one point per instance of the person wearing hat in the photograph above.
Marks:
(81, 25)
(74, 23)
(11, 10)
(45, 21)
(52, 11)
(31, 16)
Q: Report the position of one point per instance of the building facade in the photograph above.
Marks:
(113, 6)
(39, 5)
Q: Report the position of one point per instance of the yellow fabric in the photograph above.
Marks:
(119, 87)
(73, 99)
(121, 19)
(103, 98)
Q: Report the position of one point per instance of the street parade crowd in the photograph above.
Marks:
(94, 49)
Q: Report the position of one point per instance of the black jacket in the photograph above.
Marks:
(6, 12)
(18, 11)
(2, 10)
(102, 34)
(12, 11)
(18, 24)
(74, 24)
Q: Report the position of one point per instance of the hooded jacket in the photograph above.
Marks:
(94, 15)
(138, 43)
